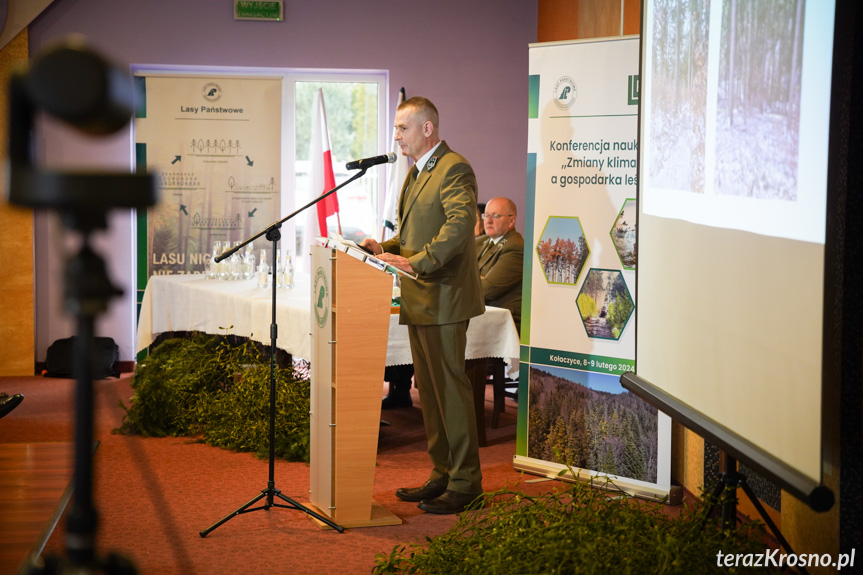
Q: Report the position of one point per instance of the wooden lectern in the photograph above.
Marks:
(350, 322)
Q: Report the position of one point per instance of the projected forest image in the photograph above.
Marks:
(604, 430)
(757, 99)
(678, 94)
(760, 71)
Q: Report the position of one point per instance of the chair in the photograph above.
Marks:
(478, 371)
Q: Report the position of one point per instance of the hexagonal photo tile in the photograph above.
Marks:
(623, 234)
(605, 303)
(562, 250)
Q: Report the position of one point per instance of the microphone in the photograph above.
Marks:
(369, 162)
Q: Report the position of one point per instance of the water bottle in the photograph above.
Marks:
(249, 262)
(263, 269)
(289, 271)
(263, 274)
(279, 271)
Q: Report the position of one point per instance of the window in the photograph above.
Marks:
(355, 107)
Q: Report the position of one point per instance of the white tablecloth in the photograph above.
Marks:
(194, 303)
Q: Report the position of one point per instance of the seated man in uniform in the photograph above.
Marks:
(500, 255)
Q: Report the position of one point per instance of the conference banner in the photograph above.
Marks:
(216, 144)
(578, 315)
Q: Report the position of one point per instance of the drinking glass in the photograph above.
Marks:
(236, 263)
(213, 266)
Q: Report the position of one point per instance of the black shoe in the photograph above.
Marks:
(448, 503)
(429, 490)
(396, 401)
(10, 402)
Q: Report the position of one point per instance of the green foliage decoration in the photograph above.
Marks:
(581, 529)
(206, 388)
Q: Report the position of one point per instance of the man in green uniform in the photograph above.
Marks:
(435, 241)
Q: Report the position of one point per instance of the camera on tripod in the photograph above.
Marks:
(76, 85)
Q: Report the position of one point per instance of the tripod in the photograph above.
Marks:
(731, 480)
(273, 234)
(82, 200)
(88, 290)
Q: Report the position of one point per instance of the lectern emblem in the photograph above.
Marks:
(321, 298)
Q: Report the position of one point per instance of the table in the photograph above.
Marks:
(220, 307)
(194, 303)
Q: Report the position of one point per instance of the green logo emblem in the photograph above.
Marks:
(321, 298)
(634, 90)
(565, 93)
(211, 91)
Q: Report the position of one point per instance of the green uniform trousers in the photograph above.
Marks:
(446, 395)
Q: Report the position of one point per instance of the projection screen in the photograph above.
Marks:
(735, 106)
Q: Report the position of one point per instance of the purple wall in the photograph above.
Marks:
(469, 57)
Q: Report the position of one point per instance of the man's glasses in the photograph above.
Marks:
(495, 216)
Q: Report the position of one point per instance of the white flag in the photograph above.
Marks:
(396, 174)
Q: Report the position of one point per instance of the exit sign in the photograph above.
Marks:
(250, 10)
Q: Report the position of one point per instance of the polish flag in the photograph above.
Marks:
(323, 179)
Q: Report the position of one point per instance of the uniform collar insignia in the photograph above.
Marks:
(431, 163)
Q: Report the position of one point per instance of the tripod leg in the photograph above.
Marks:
(243, 509)
(715, 496)
(729, 506)
(763, 512)
(318, 516)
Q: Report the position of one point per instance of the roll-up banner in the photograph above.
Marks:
(578, 317)
(215, 142)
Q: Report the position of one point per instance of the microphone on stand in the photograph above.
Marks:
(374, 161)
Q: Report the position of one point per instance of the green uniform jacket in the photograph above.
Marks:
(501, 268)
(436, 222)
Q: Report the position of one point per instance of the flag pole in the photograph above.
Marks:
(395, 179)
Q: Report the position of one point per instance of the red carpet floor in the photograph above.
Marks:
(154, 496)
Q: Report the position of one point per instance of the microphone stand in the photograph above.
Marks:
(271, 493)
